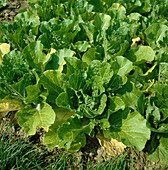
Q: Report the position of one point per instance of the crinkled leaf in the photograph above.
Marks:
(102, 69)
(13, 67)
(92, 107)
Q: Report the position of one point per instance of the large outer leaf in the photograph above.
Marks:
(30, 118)
(68, 133)
(51, 138)
(141, 54)
(130, 128)
(134, 131)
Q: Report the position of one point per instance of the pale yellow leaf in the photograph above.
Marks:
(112, 147)
(4, 49)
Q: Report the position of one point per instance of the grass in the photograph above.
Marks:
(18, 153)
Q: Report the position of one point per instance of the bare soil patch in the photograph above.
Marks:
(8, 12)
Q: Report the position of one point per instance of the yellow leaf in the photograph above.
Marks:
(51, 52)
(46, 129)
(135, 40)
(91, 21)
(4, 49)
(9, 105)
(112, 147)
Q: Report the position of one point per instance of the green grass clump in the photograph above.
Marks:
(19, 153)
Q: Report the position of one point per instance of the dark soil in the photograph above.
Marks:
(8, 12)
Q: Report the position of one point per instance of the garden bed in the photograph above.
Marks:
(86, 77)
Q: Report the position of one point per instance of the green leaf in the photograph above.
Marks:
(3, 3)
(163, 72)
(13, 67)
(74, 64)
(77, 80)
(94, 86)
(30, 118)
(132, 130)
(67, 100)
(102, 21)
(56, 61)
(117, 11)
(155, 34)
(71, 131)
(115, 104)
(102, 69)
(52, 81)
(34, 55)
(130, 100)
(51, 138)
(161, 152)
(115, 120)
(89, 29)
(89, 55)
(141, 54)
(82, 46)
(141, 104)
(33, 92)
(124, 67)
(27, 19)
(91, 108)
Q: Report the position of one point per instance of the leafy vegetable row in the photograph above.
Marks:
(74, 66)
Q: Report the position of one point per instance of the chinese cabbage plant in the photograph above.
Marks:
(75, 66)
